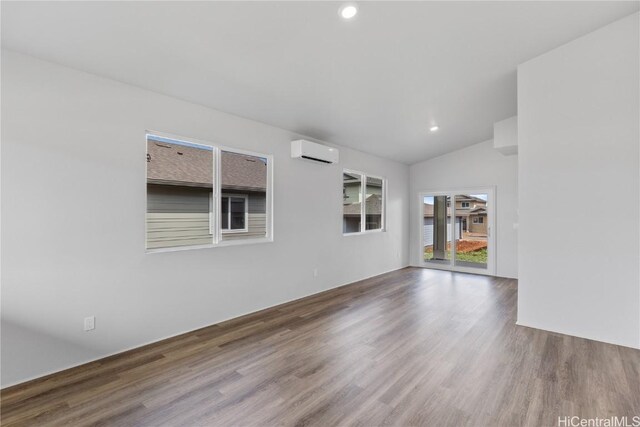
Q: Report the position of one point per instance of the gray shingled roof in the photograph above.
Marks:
(177, 164)
(241, 172)
(373, 206)
(479, 211)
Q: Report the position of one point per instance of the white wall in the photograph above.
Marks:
(579, 133)
(479, 165)
(73, 209)
(505, 136)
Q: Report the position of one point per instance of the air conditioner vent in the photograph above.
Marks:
(316, 160)
(314, 152)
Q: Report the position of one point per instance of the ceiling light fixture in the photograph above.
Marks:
(348, 11)
(434, 128)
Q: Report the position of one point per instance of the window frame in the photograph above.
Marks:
(246, 214)
(215, 197)
(363, 203)
(462, 205)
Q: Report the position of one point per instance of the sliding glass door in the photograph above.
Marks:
(456, 230)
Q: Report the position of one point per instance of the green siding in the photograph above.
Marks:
(257, 226)
(177, 216)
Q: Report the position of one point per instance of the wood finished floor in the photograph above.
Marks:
(411, 347)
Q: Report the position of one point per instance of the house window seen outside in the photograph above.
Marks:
(233, 213)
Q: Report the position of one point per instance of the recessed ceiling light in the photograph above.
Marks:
(348, 11)
(434, 128)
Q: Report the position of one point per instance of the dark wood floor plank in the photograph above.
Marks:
(411, 347)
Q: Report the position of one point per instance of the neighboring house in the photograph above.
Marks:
(471, 216)
(244, 196)
(351, 188)
(478, 220)
(473, 213)
(352, 203)
(180, 189)
(352, 213)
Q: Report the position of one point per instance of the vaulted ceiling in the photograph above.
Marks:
(375, 84)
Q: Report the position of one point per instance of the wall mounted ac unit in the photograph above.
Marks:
(301, 149)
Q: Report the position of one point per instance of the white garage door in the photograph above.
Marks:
(428, 231)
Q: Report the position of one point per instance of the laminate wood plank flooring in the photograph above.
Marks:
(409, 348)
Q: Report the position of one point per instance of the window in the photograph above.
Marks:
(234, 213)
(478, 220)
(475, 220)
(363, 204)
(201, 195)
(464, 204)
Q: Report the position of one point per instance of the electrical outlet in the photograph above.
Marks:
(89, 323)
(315, 272)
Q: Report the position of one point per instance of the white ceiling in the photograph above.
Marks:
(375, 84)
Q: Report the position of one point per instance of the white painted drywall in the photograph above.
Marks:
(579, 136)
(73, 209)
(480, 165)
(505, 136)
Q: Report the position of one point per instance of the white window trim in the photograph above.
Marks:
(246, 214)
(462, 205)
(363, 203)
(211, 215)
(215, 198)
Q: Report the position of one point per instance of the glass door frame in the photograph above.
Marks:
(490, 191)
